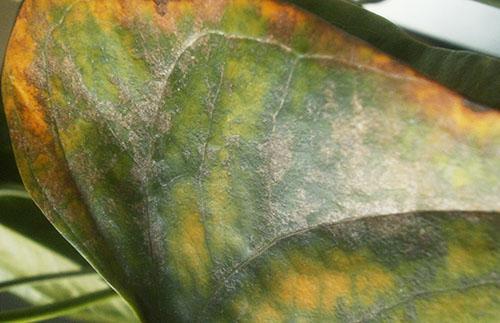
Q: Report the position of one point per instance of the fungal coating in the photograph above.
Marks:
(223, 160)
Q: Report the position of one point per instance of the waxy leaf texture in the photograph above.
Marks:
(243, 160)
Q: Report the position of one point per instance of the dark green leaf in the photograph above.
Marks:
(474, 75)
(65, 307)
(494, 3)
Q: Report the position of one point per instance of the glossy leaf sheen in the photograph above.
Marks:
(224, 160)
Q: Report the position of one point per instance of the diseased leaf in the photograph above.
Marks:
(397, 268)
(472, 74)
(22, 257)
(8, 169)
(201, 153)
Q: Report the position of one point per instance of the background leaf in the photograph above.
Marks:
(472, 74)
(20, 214)
(47, 253)
(494, 3)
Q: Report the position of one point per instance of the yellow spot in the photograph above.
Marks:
(381, 59)
(266, 313)
(300, 290)
(309, 285)
(471, 261)
(372, 282)
(365, 53)
(218, 183)
(244, 118)
(452, 113)
(73, 136)
(224, 238)
(283, 14)
(473, 305)
(334, 285)
(460, 178)
(239, 17)
(187, 246)
(346, 262)
(105, 12)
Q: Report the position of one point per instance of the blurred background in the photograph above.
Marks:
(464, 24)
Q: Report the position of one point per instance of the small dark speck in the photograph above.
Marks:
(161, 7)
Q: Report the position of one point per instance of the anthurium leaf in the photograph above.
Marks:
(58, 309)
(397, 268)
(34, 267)
(494, 3)
(175, 143)
(472, 74)
(8, 169)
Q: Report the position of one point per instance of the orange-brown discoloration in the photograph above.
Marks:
(189, 252)
(452, 112)
(298, 290)
(174, 11)
(371, 282)
(16, 82)
(42, 162)
(283, 16)
(365, 55)
(334, 286)
(203, 232)
(266, 313)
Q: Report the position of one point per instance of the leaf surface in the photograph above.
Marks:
(200, 154)
(472, 74)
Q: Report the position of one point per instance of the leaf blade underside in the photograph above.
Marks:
(171, 143)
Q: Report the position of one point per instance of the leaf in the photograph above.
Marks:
(21, 215)
(494, 3)
(396, 268)
(42, 276)
(43, 312)
(178, 145)
(8, 168)
(472, 74)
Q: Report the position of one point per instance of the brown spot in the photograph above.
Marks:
(161, 7)
(284, 19)
(452, 112)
